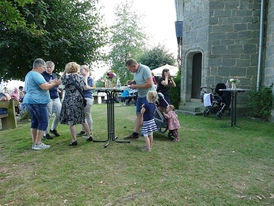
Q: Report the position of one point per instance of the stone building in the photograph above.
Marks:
(220, 39)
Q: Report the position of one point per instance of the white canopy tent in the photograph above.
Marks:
(172, 69)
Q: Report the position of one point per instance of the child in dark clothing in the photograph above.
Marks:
(149, 125)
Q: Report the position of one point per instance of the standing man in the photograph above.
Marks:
(143, 83)
(54, 106)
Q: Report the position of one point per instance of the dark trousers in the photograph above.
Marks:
(174, 132)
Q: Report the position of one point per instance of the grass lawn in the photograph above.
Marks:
(211, 165)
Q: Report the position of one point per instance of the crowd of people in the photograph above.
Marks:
(42, 98)
(43, 91)
(16, 95)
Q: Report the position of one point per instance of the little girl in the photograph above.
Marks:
(173, 122)
(149, 125)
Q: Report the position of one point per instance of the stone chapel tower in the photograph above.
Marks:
(221, 40)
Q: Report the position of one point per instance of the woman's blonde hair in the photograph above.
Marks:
(152, 96)
(72, 67)
(85, 67)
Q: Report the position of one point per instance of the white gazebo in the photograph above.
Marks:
(172, 69)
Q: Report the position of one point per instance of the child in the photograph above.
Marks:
(173, 122)
(149, 125)
(124, 96)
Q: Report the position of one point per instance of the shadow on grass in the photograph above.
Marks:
(161, 137)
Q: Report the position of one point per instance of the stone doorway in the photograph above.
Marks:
(196, 75)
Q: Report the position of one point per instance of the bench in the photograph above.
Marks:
(8, 120)
(98, 97)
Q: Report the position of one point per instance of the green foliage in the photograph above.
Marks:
(62, 31)
(175, 92)
(260, 102)
(10, 15)
(156, 57)
(100, 83)
(127, 40)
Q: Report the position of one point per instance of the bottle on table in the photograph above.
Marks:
(118, 84)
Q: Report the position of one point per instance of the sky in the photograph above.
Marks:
(157, 20)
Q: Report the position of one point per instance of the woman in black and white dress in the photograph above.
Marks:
(72, 111)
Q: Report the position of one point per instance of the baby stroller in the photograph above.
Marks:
(160, 120)
(215, 102)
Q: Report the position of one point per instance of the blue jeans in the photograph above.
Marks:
(38, 115)
(140, 102)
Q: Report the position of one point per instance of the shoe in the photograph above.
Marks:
(73, 143)
(35, 147)
(176, 140)
(54, 132)
(90, 139)
(43, 146)
(134, 135)
(86, 136)
(80, 133)
(145, 149)
(47, 136)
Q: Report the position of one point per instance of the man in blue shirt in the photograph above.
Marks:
(143, 83)
(54, 106)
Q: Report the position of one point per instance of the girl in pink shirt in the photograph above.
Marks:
(173, 122)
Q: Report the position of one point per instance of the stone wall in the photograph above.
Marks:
(269, 46)
(226, 32)
(233, 41)
(195, 38)
(268, 77)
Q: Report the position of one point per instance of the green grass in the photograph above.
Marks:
(211, 165)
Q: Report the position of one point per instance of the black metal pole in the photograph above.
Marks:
(232, 108)
(235, 108)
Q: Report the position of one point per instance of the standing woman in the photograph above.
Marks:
(84, 70)
(36, 99)
(163, 86)
(72, 111)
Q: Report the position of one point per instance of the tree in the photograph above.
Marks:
(127, 40)
(175, 92)
(61, 31)
(10, 16)
(156, 57)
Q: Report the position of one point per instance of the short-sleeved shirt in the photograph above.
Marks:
(125, 93)
(140, 77)
(34, 94)
(53, 92)
(88, 93)
(150, 108)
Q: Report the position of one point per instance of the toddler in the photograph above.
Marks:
(149, 125)
(173, 122)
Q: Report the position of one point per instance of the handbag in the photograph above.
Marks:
(80, 90)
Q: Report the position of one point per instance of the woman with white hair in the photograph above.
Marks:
(36, 99)
(84, 70)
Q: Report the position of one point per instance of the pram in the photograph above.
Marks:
(160, 120)
(215, 102)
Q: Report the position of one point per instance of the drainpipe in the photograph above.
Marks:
(260, 46)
